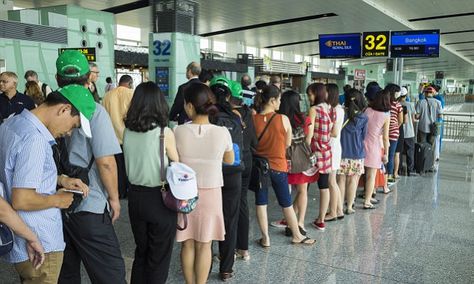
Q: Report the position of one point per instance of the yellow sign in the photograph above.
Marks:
(375, 44)
(89, 52)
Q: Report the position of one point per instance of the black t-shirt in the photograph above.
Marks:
(14, 105)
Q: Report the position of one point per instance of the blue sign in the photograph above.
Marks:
(415, 43)
(162, 79)
(340, 46)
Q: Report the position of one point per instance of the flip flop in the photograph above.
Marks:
(370, 206)
(340, 217)
(304, 242)
(260, 243)
(347, 212)
(388, 191)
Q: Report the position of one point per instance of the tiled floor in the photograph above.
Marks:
(423, 232)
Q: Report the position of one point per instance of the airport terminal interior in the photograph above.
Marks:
(418, 227)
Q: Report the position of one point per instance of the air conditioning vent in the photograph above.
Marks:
(22, 31)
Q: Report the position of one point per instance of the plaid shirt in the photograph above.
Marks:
(322, 135)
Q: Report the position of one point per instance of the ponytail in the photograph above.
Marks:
(355, 104)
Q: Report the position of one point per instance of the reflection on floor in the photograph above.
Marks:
(422, 232)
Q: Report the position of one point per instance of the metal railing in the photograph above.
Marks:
(451, 99)
(458, 126)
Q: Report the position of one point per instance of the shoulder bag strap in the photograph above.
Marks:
(162, 156)
(429, 109)
(266, 127)
(91, 162)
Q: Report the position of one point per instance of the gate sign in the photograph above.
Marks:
(359, 74)
(89, 52)
(375, 44)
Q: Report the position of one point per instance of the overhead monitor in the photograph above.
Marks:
(415, 43)
(339, 46)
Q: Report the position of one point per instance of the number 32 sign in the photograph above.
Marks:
(161, 47)
(375, 44)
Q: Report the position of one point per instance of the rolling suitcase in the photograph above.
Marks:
(424, 157)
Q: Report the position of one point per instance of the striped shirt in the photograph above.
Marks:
(322, 136)
(26, 160)
(394, 130)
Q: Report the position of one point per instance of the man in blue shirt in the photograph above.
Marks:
(30, 176)
(88, 232)
(11, 101)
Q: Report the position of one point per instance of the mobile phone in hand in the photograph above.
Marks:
(74, 191)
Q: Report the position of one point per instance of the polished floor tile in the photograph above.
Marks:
(422, 232)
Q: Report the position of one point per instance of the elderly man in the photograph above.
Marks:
(11, 101)
(177, 112)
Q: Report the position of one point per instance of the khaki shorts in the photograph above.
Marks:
(46, 274)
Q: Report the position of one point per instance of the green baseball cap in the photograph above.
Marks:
(236, 89)
(221, 80)
(72, 59)
(82, 99)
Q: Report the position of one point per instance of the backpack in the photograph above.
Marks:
(233, 123)
(43, 89)
(299, 154)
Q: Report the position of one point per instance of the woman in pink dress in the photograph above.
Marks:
(203, 147)
(379, 122)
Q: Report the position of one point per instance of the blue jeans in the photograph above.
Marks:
(280, 186)
(391, 156)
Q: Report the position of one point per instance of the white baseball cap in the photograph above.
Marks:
(403, 92)
(182, 181)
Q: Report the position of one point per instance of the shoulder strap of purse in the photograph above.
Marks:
(162, 155)
(91, 162)
(429, 109)
(266, 127)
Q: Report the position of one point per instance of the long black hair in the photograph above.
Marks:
(333, 94)
(290, 106)
(355, 104)
(148, 108)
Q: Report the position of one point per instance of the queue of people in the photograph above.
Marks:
(68, 159)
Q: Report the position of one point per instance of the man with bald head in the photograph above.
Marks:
(177, 112)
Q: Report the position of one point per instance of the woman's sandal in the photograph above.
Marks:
(245, 257)
(387, 191)
(369, 206)
(305, 242)
(260, 243)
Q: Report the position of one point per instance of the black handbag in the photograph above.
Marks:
(435, 127)
(259, 177)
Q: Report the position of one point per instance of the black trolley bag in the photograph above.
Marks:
(424, 157)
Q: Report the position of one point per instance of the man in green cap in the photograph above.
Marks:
(30, 177)
(89, 233)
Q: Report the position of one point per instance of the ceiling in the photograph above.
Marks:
(353, 16)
